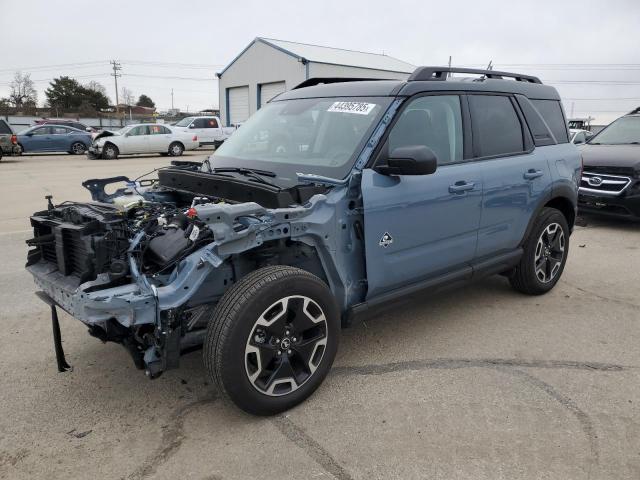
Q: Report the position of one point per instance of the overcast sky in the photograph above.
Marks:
(592, 42)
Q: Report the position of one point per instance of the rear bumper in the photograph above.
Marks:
(620, 206)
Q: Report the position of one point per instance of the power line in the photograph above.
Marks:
(52, 67)
(199, 79)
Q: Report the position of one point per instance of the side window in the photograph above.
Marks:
(200, 123)
(433, 121)
(42, 131)
(139, 130)
(496, 125)
(59, 130)
(158, 130)
(551, 111)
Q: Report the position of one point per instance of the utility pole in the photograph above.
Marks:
(172, 99)
(449, 74)
(115, 75)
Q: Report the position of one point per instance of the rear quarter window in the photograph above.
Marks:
(551, 112)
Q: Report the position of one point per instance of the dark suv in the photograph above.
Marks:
(331, 200)
(611, 178)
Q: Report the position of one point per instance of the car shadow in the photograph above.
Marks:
(591, 220)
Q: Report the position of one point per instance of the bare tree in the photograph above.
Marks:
(126, 96)
(96, 87)
(23, 92)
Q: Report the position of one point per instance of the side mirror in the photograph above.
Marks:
(193, 125)
(30, 134)
(410, 160)
(89, 129)
(578, 141)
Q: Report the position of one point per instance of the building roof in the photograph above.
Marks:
(333, 56)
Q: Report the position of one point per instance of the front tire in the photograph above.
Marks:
(272, 339)
(545, 254)
(176, 149)
(110, 151)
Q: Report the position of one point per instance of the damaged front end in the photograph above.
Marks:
(145, 266)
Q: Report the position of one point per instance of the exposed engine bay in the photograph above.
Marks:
(145, 265)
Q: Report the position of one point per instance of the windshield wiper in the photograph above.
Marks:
(249, 173)
(244, 171)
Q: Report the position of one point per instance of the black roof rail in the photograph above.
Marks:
(635, 111)
(310, 82)
(441, 73)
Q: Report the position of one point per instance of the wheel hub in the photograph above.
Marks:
(285, 345)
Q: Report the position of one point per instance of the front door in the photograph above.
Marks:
(420, 227)
(136, 141)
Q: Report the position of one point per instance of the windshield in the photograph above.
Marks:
(624, 131)
(321, 136)
(184, 122)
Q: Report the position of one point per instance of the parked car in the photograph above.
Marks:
(330, 201)
(65, 123)
(145, 138)
(611, 179)
(578, 136)
(208, 129)
(54, 138)
(8, 140)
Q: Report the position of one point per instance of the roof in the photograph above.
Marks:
(306, 52)
(377, 88)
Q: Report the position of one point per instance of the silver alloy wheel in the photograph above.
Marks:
(285, 345)
(549, 253)
(78, 148)
(176, 150)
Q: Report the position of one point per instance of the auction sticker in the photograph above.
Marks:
(359, 108)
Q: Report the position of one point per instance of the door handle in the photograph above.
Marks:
(532, 173)
(461, 187)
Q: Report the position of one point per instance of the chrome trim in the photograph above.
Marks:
(607, 179)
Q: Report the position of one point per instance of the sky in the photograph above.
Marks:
(587, 49)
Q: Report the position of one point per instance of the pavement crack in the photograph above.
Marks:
(302, 439)
(584, 419)
(454, 363)
(626, 303)
(172, 438)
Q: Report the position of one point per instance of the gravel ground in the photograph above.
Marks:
(477, 383)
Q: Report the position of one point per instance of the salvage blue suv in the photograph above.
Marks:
(334, 198)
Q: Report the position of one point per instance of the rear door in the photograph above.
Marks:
(515, 175)
(421, 227)
(159, 138)
(60, 139)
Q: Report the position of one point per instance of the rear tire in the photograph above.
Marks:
(110, 151)
(176, 149)
(545, 254)
(272, 339)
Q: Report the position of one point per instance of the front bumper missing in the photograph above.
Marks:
(127, 304)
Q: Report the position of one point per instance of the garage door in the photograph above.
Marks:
(270, 90)
(238, 104)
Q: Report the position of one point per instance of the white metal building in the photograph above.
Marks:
(267, 67)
